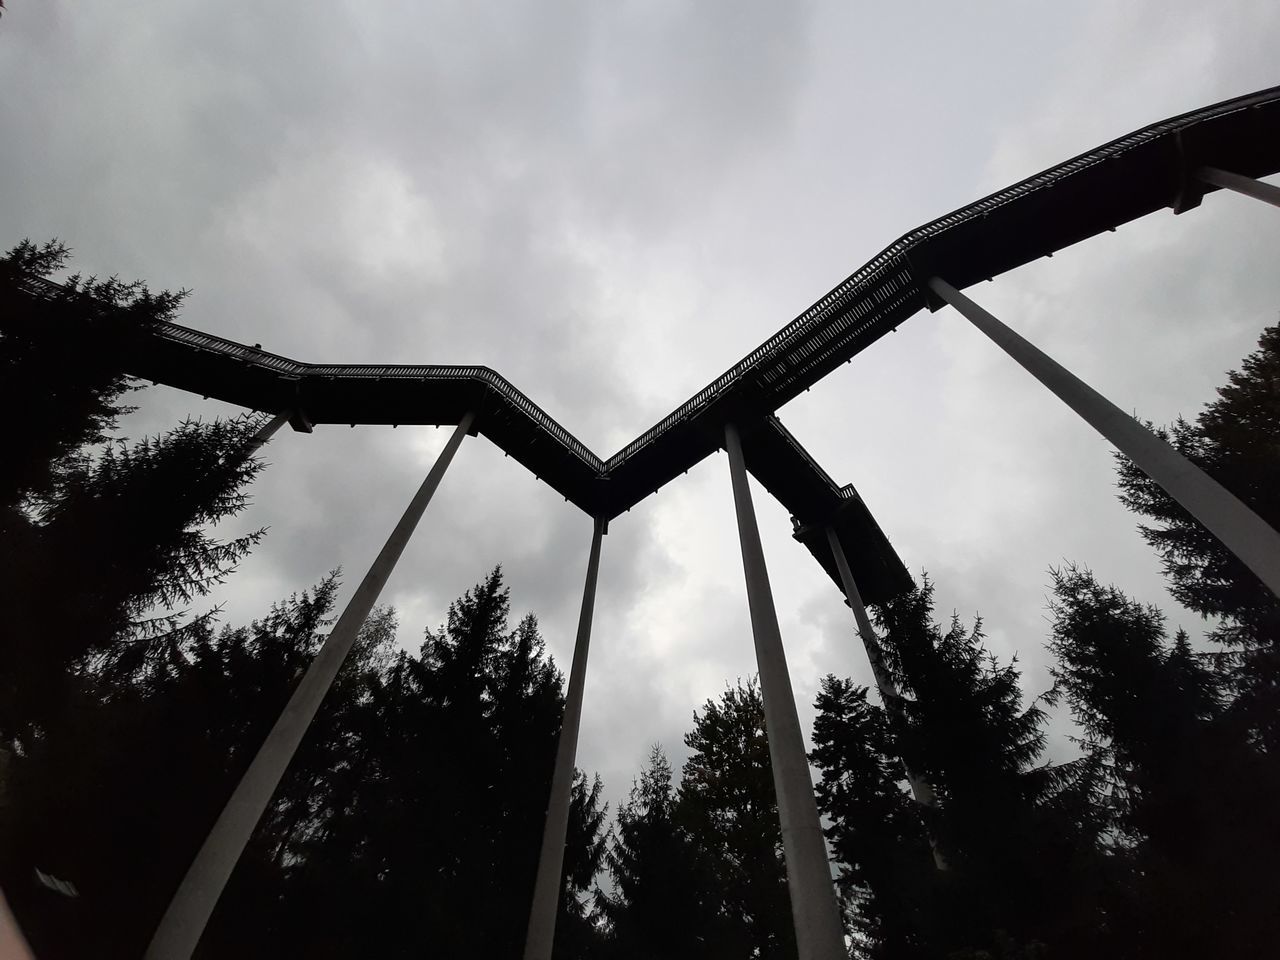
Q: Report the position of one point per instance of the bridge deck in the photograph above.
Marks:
(1105, 188)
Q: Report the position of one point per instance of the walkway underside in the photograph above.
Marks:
(1149, 170)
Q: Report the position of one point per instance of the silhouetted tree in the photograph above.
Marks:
(664, 902)
(376, 842)
(111, 538)
(1019, 837)
(116, 798)
(1236, 440)
(119, 550)
(888, 879)
(1191, 803)
(434, 846)
(728, 805)
(586, 846)
(65, 345)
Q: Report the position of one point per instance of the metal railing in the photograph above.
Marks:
(879, 289)
(861, 284)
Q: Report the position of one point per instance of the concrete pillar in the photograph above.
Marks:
(819, 934)
(184, 922)
(1266, 192)
(1243, 532)
(921, 788)
(546, 890)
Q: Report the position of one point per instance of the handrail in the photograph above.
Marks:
(853, 307)
(842, 294)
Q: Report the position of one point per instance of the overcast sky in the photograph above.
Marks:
(611, 203)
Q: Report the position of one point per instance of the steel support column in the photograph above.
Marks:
(184, 921)
(546, 890)
(921, 788)
(819, 934)
(1243, 532)
(1266, 192)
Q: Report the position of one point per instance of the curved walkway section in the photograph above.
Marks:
(1150, 169)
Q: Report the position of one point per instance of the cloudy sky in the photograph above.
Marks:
(611, 203)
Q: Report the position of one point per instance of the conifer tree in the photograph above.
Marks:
(437, 841)
(1189, 799)
(663, 902)
(1236, 440)
(888, 879)
(112, 538)
(116, 798)
(119, 551)
(728, 804)
(65, 345)
(1019, 837)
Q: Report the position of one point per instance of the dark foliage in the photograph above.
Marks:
(1019, 860)
(113, 539)
(664, 902)
(1236, 440)
(697, 869)
(1190, 799)
(65, 345)
(728, 804)
(889, 882)
(1018, 839)
(409, 824)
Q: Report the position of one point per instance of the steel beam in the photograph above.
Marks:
(1266, 192)
(547, 887)
(819, 934)
(184, 921)
(1255, 543)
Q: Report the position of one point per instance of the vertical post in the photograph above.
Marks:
(1266, 192)
(819, 934)
(546, 890)
(921, 788)
(1255, 543)
(184, 921)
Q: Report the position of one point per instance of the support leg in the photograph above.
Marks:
(1243, 532)
(546, 890)
(921, 788)
(819, 934)
(184, 922)
(1266, 192)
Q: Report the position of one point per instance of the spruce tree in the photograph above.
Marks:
(110, 537)
(1190, 797)
(116, 798)
(434, 847)
(1236, 440)
(728, 804)
(888, 879)
(119, 551)
(1018, 836)
(62, 357)
(663, 903)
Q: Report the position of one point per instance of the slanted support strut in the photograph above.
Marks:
(184, 921)
(265, 433)
(1266, 192)
(819, 934)
(921, 788)
(1255, 543)
(541, 931)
